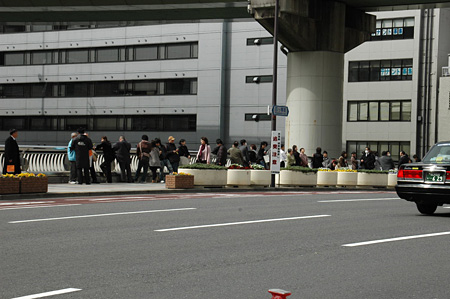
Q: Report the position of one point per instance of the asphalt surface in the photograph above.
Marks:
(233, 245)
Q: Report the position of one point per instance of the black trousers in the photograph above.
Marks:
(154, 169)
(125, 168)
(86, 177)
(106, 168)
(73, 171)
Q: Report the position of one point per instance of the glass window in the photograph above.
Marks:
(177, 87)
(146, 53)
(385, 70)
(18, 123)
(352, 111)
(108, 55)
(15, 28)
(43, 124)
(14, 91)
(15, 58)
(364, 71)
(73, 123)
(406, 111)
(409, 22)
(353, 70)
(398, 23)
(108, 89)
(373, 111)
(384, 111)
(375, 70)
(176, 51)
(149, 123)
(39, 28)
(145, 88)
(76, 89)
(387, 23)
(395, 111)
(41, 57)
(77, 56)
(260, 41)
(194, 50)
(193, 86)
(105, 123)
(363, 111)
(41, 90)
(396, 70)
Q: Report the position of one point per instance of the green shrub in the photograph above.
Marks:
(301, 169)
(372, 171)
(203, 166)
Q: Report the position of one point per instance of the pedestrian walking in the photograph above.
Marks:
(11, 164)
(155, 162)
(143, 155)
(82, 145)
(261, 153)
(172, 154)
(72, 160)
(317, 158)
(108, 157)
(183, 152)
(122, 150)
(236, 156)
(204, 151)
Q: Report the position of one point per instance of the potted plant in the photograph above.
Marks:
(372, 178)
(206, 174)
(259, 176)
(179, 180)
(238, 175)
(9, 184)
(326, 177)
(298, 176)
(347, 178)
(30, 183)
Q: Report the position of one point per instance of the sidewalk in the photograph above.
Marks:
(67, 190)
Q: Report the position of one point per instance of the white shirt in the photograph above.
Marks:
(283, 155)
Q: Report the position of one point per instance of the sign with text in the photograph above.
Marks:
(280, 110)
(275, 152)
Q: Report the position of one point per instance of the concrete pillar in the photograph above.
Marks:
(314, 97)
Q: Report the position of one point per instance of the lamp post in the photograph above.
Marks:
(275, 74)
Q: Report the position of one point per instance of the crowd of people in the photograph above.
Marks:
(154, 155)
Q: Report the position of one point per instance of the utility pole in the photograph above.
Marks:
(275, 74)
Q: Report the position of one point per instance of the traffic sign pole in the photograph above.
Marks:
(275, 74)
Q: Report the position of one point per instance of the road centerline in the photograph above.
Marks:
(48, 294)
(239, 223)
(100, 215)
(396, 239)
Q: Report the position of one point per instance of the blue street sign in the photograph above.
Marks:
(280, 110)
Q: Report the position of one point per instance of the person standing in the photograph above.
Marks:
(122, 150)
(283, 157)
(303, 158)
(342, 162)
(416, 159)
(93, 156)
(290, 158)
(252, 154)
(404, 159)
(354, 161)
(204, 152)
(317, 158)
(261, 153)
(386, 161)
(108, 157)
(245, 153)
(326, 160)
(221, 152)
(72, 160)
(155, 163)
(172, 154)
(164, 161)
(82, 145)
(143, 154)
(298, 161)
(236, 156)
(12, 153)
(367, 159)
(183, 152)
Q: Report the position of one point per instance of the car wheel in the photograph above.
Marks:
(426, 208)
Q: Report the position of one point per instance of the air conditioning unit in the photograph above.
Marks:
(446, 71)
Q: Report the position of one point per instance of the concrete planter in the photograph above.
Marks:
(207, 177)
(260, 177)
(348, 179)
(372, 179)
(297, 178)
(327, 178)
(238, 177)
(392, 180)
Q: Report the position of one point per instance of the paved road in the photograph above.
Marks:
(235, 245)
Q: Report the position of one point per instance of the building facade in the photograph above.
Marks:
(185, 80)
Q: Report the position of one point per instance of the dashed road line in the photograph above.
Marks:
(395, 239)
(48, 294)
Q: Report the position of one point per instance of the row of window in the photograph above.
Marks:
(101, 54)
(259, 79)
(380, 70)
(57, 27)
(379, 111)
(257, 41)
(388, 29)
(186, 86)
(394, 147)
(160, 123)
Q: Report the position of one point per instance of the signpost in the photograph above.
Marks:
(275, 152)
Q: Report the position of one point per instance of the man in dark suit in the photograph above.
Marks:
(12, 154)
(82, 145)
(122, 149)
(386, 161)
(367, 159)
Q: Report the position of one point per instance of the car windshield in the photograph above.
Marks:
(440, 153)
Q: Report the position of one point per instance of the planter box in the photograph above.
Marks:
(372, 179)
(207, 177)
(392, 180)
(238, 177)
(349, 179)
(260, 177)
(327, 178)
(9, 186)
(297, 178)
(34, 185)
(179, 181)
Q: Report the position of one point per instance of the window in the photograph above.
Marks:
(259, 41)
(379, 111)
(145, 88)
(258, 117)
(394, 147)
(14, 58)
(146, 53)
(108, 55)
(43, 57)
(76, 90)
(380, 70)
(43, 124)
(107, 89)
(259, 79)
(74, 123)
(177, 86)
(106, 124)
(77, 56)
(178, 51)
(393, 29)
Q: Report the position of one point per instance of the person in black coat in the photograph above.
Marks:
(108, 157)
(317, 158)
(404, 159)
(172, 154)
(221, 153)
(122, 149)
(298, 161)
(367, 159)
(12, 153)
(82, 145)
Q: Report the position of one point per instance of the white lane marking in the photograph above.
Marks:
(48, 294)
(239, 223)
(100, 215)
(43, 206)
(361, 199)
(396, 239)
(24, 203)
